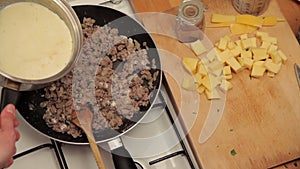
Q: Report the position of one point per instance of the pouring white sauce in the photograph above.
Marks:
(34, 42)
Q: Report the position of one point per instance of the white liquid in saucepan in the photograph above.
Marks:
(35, 43)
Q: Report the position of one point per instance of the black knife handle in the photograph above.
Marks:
(122, 159)
(9, 96)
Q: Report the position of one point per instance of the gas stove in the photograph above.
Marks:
(158, 141)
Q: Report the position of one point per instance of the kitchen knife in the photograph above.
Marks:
(213, 118)
(297, 71)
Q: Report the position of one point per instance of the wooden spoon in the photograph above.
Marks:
(83, 119)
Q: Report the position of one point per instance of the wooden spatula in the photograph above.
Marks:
(83, 119)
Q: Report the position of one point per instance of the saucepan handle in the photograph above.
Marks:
(9, 96)
(122, 159)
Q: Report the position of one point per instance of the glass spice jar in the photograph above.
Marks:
(253, 7)
(190, 20)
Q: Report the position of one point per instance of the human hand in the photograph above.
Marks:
(8, 135)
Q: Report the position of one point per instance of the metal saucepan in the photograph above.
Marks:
(30, 100)
(12, 84)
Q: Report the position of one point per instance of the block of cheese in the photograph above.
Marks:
(259, 54)
(258, 71)
(249, 20)
(234, 64)
(190, 64)
(272, 67)
(198, 47)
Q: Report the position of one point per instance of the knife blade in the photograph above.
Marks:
(297, 71)
(213, 118)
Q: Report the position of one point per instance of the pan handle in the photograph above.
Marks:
(121, 157)
(9, 96)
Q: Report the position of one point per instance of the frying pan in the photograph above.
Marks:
(29, 102)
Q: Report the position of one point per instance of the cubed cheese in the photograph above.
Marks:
(227, 70)
(190, 64)
(198, 47)
(270, 39)
(231, 45)
(234, 64)
(282, 55)
(272, 48)
(258, 71)
(246, 43)
(265, 45)
(236, 51)
(275, 57)
(225, 55)
(253, 41)
(243, 36)
(188, 83)
(211, 55)
(259, 54)
(248, 62)
(262, 35)
(226, 85)
(246, 54)
(201, 69)
(222, 44)
(201, 89)
(214, 94)
(272, 67)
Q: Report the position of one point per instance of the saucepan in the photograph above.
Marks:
(30, 101)
(20, 42)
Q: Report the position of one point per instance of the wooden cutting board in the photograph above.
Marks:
(261, 116)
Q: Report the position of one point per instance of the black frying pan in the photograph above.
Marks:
(29, 102)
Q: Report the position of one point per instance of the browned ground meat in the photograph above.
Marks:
(113, 76)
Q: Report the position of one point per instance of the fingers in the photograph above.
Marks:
(8, 117)
(9, 163)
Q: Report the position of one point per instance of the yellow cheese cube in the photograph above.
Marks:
(206, 82)
(262, 35)
(225, 55)
(236, 51)
(253, 41)
(259, 54)
(190, 64)
(227, 70)
(231, 45)
(282, 55)
(188, 83)
(201, 89)
(272, 48)
(272, 67)
(215, 65)
(198, 78)
(240, 60)
(265, 45)
(234, 64)
(258, 71)
(201, 69)
(198, 47)
(214, 94)
(238, 43)
(222, 44)
(248, 62)
(259, 63)
(270, 39)
(275, 57)
(246, 54)
(228, 77)
(244, 36)
(226, 85)
(270, 74)
(246, 43)
(217, 72)
(211, 55)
